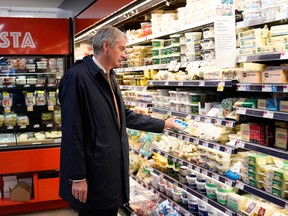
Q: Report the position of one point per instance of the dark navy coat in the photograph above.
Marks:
(93, 146)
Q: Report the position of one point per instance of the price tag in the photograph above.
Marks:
(204, 172)
(228, 182)
(169, 113)
(240, 110)
(174, 160)
(165, 155)
(242, 59)
(36, 143)
(180, 162)
(216, 147)
(268, 114)
(228, 150)
(240, 144)
(157, 194)
(180, 137)
(197, 118)
(3, 145)
(187, 214)
(285, 88)
(187, 139)
(173, 65)
(221, 86)
(284, 55)
(216, 177)
(266, 88)
(10, 127)
(207, 120)
(180, 83)
(36, 126)
(229, 124)
(239, 185)
(205, 199)
(197, 169)
(228, 212)
(241, 87)
(196, 141)
(23, 126)
(49, 125)
(218, 122)
(166, 83)
(30, 108)
(201, 83)
(204, 143)
(189, 166)
(177, 208)
(286, 205)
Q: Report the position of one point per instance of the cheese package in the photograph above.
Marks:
(277, 48)
(277, 40)
(264, 209)
(249, 208)
(283, 106)
(245, 132)
(279, 30)
(247, 51)
(281, 138)
(258, 159)
(274, 76)
(250, 77)
(253, 33)
(281, 175)
(252, 43)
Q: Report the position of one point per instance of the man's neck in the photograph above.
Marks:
(103, 62)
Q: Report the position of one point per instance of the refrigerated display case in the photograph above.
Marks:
(34, 53)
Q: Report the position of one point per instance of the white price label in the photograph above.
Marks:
(228, 212)
(157, 194)
(187, 139)
(49, 125)
(197, 118)
(36, 143)
(284, 55)
(218, 122)
(216, 147)
(268, 114)
(177, 208)
(166, 155)
(285, 88)
(228, 150)
(197, 169)
(228, 182)
(266, 88)
(242, 59)
(204, 143)
(180, 162)
(201, 83)
(195, 141)
(205, 199)
(204, 172)
(216, 177)
(166, 83)
(240, 144)
(239, 185)
(189, 166)
(221, 86)
(207, 120)
(23, 126)
(180, 137)
(229, 123)
(169, 113)
(187, 214)
(36, 126)
(241, 87)
(174, 160)
(10, 127)
(286, 205)
(180, 83)
(241, 110)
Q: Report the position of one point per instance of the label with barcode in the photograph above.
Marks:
(23, 126)
(217, 147)
(241, 87)
(180, 162)
(241, 110)
(180, 83)
(268, 114)
(229, 123)
(204, 172)
(228, 212)
(239, 185)
(36, 126)
(10, 127)
(266, 88)
(201, 83)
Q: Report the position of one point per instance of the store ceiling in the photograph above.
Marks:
(31, 3)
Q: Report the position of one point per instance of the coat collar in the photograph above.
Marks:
(95, 68)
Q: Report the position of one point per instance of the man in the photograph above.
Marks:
(94, 167)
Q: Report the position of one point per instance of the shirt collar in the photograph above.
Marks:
(98, 64)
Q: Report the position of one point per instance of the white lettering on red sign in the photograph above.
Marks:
(6, 38)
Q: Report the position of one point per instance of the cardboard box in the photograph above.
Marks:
(21, 192)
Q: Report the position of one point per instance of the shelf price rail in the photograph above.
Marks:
(200, 118)
(178, 207)
(195, 193)
(262, 149)
(282, 116)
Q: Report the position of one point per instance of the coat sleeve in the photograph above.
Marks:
(72, 146)
(143, 122)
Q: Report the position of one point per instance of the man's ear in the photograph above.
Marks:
(105, 46)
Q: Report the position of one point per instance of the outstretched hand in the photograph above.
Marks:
(170, 124)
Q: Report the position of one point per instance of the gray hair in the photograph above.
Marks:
(108, 33)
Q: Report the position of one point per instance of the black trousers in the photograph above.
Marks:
(98, 212)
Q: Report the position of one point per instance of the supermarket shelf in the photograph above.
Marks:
(262, 149)
(207, 119)
(141, 68)
(262, 87)
(196, 193)
(10, 129)
(198, 169)
(263, 194)
(26, 147)
(205, 143)
(27, 87)
(175, 205)
(192, 83)
(141, 154)
(133, 88)
(175, 29)
(262, 20)
(283, 116)
(138, 104)
(262, 57)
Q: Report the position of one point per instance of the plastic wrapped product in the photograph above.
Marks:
(40, 98)
(30, 99)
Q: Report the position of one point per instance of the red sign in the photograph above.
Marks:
(34, 36)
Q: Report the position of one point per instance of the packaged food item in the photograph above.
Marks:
(57, 116)
(22, 120)
(51, 98)
(40, 98)
(10, 119)
(30, 99)
(7, 100)
(1, 120)
(46, 116)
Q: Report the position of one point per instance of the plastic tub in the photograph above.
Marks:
(183, 49)
(156, 60)
(169, 191)
(184, 201)
(210, 192)
(175, 39)
(158, 43)
(155, 52)
(177, 196)
(209, 44)
(208, 32)
(191, 181)
(175, 49)
(222, 197)
(184, 97)
(190, 47)
(162, 187)
(200, 186)
(192, 36)
(192, 204)
(202, 208)
(182, 179)
(183, 170)
(209, 54)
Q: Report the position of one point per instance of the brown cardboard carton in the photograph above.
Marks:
(21, 192)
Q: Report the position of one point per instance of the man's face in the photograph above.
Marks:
(117, 53)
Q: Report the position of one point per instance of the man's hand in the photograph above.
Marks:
(169, 123)
(79, 190)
